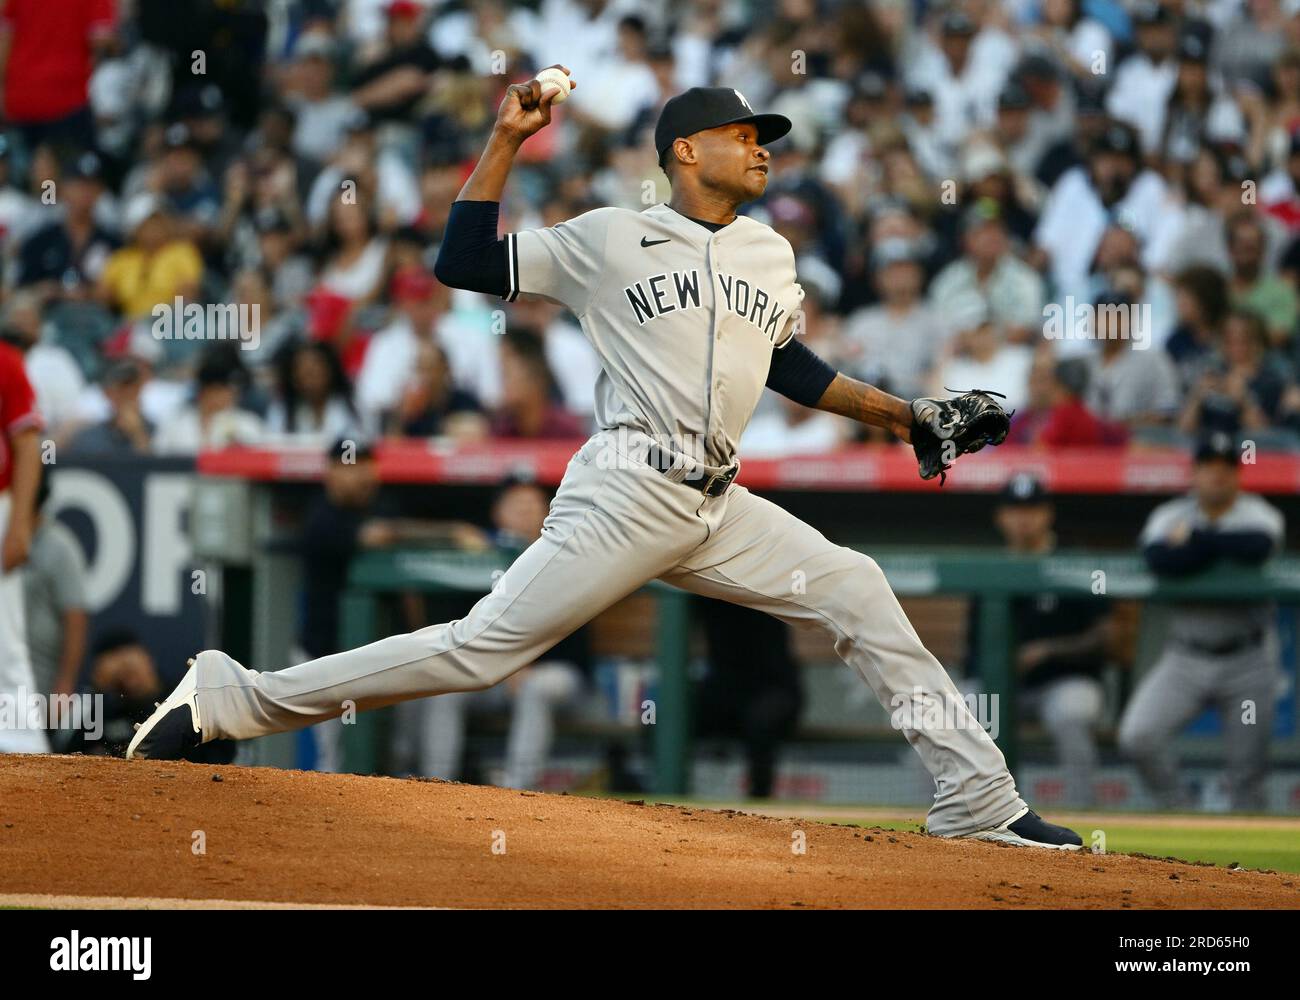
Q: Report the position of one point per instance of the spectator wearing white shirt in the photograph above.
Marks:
(697, 39)
(792, 429)
(420, 303)
(1111, 186)
(848, 155)
(586, 31)
(964, 71)
(1145, 79)
(485, 28)
(1212, 185)
(1279, 191)
(314, 404)
(1153, 295)
(626, 84)
(376, 173)
(988, 269)
(979, 357)
(354, 268)
(134, 355)
(920, 125)
(214, 420)
(323, 114)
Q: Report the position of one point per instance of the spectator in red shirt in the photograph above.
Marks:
(47, 51)
(20, 469)
(529, 398)
(1056, 415)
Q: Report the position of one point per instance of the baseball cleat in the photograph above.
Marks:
(1027, 829)
(174, 728)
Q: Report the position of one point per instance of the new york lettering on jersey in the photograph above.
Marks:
(665, 293)
(684, 319)
(653, 297)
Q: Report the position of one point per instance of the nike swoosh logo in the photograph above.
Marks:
(653, 243)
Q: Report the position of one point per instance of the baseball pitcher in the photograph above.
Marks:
(692, 310)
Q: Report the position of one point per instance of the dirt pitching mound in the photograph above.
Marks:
(89, 827)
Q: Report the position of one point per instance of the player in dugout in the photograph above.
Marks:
(1217, 654)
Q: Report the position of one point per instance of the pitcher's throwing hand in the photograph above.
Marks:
(526, 108)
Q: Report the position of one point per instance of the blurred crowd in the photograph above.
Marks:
(1088, 205)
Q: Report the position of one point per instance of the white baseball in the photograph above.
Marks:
(552, 77)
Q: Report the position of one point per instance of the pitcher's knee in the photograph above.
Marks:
(850, 589)
(870, 571)
(852, 574)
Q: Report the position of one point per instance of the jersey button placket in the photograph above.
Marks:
(717, 266)
(715, 334)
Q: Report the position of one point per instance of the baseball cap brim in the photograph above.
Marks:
(770, 128)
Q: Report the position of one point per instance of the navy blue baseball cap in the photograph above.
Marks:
(1024, 489)
(1217, 446)
(702, 108)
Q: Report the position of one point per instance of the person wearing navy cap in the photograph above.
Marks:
(1061, 643)
(68, 255)
(1222, 654)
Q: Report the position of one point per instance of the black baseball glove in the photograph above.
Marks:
(942, 429)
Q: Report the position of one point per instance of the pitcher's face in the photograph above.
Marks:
(731, 162)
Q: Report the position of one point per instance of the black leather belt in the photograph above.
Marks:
(710, 485)
(1226, 648)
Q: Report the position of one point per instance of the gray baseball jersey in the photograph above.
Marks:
(684, 320)
(1212, 624)
(1241, 683)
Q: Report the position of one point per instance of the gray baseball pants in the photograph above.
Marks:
(1243, 688)
(614, 525)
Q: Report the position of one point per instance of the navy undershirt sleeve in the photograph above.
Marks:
(1249, 547)
(471, 256)
(1193, 555)
(1205, 546)
(797, 373)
